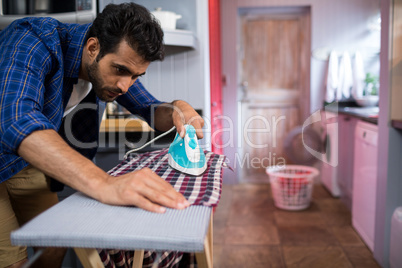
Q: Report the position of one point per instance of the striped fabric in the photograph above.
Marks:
(203, 190)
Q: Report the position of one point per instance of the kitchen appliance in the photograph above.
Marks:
(69, 11)
(185, 155)
(296, 143)
(395, 249)
(329, 167)
(365, 181)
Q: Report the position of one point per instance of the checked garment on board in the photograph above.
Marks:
(202, 190)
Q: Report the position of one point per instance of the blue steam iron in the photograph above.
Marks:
(185, 155)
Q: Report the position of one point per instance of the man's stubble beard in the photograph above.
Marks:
(97, 82)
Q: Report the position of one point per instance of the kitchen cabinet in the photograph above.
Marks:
(347, 125)
(365, 181)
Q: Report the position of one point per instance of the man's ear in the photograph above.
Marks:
(92, 47)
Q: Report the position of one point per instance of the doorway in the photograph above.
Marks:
(274, 72)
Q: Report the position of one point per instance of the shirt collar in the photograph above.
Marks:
(72, 59)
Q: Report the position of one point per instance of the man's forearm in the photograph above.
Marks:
(48, 152)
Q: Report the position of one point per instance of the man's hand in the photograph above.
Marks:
(183, 114)
(178, 113)
(144, 189)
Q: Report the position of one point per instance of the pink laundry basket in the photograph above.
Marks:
(292, 185)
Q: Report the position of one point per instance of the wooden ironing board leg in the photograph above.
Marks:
(138, 258)
(89, 257)
(205, 258)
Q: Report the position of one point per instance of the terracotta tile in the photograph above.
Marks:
(337, 218)
(332, 205)
(217, 253)
(251, 187)
(252, 197)
(315, 257)
(306, 236)
(250, 256)
(219, 234)
(312, 208)
(249, 231)
(244, 216)
(226, 197)
(252, 235)
(221, 213)
(319, 192)
(347, 236)
(220, 219)
(298, 218)
(361, 257)
(255, 178)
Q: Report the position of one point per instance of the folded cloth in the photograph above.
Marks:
(358, 76)
(202, 190)
(332, 77)
(345, 77)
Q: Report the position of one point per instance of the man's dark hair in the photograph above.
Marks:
(130, 22)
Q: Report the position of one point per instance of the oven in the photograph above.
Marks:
(69, 11)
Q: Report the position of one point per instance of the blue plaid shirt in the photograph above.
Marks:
(39, 64)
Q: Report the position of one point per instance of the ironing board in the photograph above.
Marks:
(85, 224)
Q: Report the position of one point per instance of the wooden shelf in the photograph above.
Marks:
(124, 125)
(180, 38)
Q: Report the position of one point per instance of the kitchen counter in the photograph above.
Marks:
(368, 114)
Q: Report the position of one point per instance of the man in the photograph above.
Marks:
(46, 69)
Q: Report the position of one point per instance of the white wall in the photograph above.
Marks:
(340, 25)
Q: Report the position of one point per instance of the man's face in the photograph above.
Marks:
(114, 73)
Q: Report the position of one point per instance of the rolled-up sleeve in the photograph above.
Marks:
(21, 128)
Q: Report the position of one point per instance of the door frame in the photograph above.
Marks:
(303, 14)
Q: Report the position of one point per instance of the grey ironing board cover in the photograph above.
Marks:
(80, 221)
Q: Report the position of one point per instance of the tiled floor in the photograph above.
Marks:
(249, 231)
